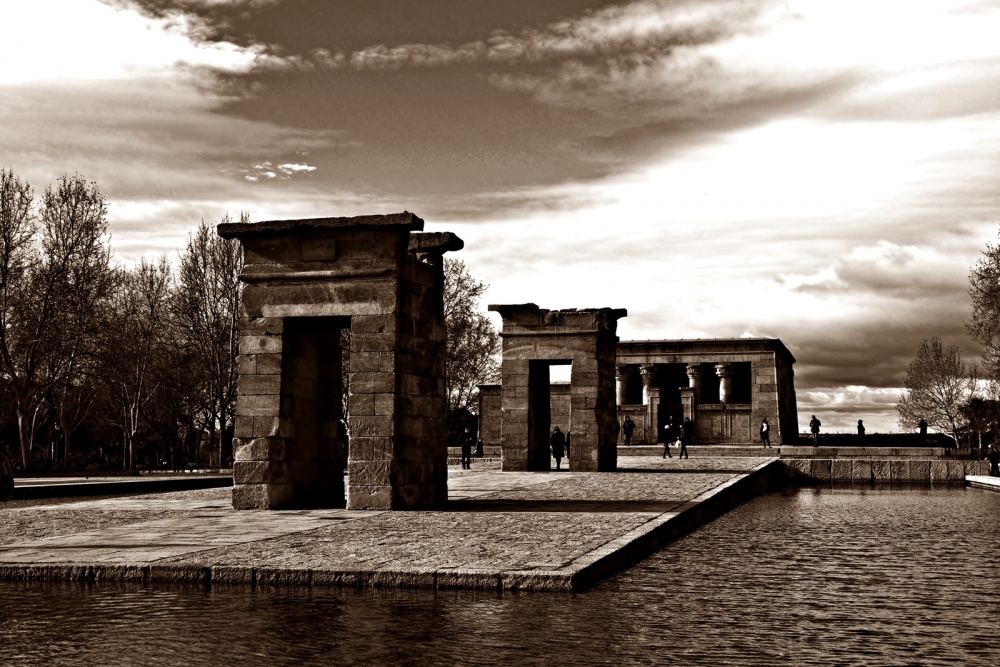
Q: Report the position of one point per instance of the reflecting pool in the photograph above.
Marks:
(810, 576)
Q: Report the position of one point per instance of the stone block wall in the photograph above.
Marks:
(883, 471)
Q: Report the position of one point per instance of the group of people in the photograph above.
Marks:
(677, 434)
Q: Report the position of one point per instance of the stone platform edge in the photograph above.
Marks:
(120, 487)
(582, 573)
(983, 481)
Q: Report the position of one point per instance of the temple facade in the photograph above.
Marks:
(725, 386)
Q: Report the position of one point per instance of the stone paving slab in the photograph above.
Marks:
(525, 530)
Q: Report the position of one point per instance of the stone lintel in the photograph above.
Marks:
(530, 315)
(237, 230)
(435, 243)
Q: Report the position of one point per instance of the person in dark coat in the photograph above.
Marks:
(765, 433)
(861, 429)
(466, 440)
(558, 443)
(479, 448)
(627, 428)
(682, 439)
(814, 425)
(923, 429)
(669, 436)
(994, 458)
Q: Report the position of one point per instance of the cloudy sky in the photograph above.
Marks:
(824, 172)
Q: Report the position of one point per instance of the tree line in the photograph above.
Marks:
(947, 392)
(103, 366)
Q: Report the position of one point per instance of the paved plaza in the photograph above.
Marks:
(507, 530)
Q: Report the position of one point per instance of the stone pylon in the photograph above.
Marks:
(535, 339)
(307, 284)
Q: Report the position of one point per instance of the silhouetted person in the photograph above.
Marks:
(465, 440)
(765, 433)
(861, 429)
(479, 448)
(668, 437)
(923, 429)
(6, 477)
(689, 430)
(558, 443)
(994, 459)
(627, 429)
(814, 425)
(682, 437)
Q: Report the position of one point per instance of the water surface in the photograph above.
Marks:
(811, 576)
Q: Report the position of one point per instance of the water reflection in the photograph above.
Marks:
(803, 577)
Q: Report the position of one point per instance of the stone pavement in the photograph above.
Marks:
(528, 530)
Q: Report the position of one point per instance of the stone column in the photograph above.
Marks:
(694, 378)
(647, 371)
(725, 373)
(622, 377)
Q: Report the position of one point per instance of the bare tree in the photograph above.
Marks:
(54, 274)
(473, 343)
(206, 310)
(938, 384)
(138, 344)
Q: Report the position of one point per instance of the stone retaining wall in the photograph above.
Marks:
(867, 471)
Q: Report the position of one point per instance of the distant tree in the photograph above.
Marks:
(938, 384)
(473, 343)
(984, 289)
(54, 275)
(206, 310)
(138, 347)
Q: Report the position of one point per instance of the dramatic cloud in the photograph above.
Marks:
(823, 172)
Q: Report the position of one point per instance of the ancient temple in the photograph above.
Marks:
(725, 386)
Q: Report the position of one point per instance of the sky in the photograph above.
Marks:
(823, 172)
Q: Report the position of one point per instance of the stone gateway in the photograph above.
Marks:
(306, 281)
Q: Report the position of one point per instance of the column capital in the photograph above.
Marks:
(624, 371)
(647, 370)
(693, 371)
(724, 370)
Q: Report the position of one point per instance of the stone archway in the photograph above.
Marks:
(534, 339)
(306, 280)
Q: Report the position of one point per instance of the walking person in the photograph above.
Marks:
(558, 444)
(627, 428)
(465, 440)
(765, 433)
(814, 425)
(668, 437)
(682, 438)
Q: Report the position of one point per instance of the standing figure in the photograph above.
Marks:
(668, 437)
(465, 440)
(682, 438)
(814, 425)
(6, 476)
(861, 429)
(765, 433)
(689, 430)
(558, 443)
(479, 448)
(923, 429)
(994, 458)
(627, 428)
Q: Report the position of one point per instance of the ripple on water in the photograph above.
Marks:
(807, 577)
